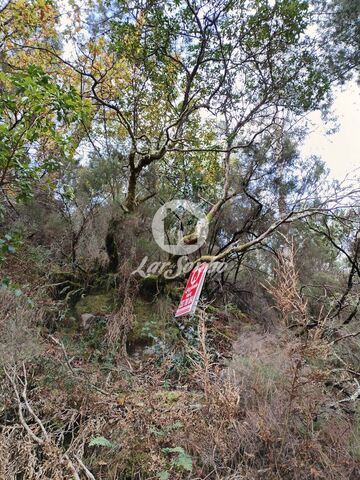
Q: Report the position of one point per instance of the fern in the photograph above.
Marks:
(183, 461)
(101, 442)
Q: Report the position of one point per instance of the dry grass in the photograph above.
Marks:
(121, 321)
(288, 431)
(266, 414)
(19, 323)
(285, 290)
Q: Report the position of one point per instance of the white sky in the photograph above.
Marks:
(340, 150)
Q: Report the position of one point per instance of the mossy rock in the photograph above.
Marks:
(62, 276)
(98, 304)
(149, 325)
(65, 286)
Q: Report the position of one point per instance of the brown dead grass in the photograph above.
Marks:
(265, 415)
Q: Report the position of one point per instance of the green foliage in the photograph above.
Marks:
(101, 442)
(56, 375)
(7, 284)
(161, 49)
(164, 475)
(166, 430)
(9, 244)
(36, 114)
(182, 461)
(186, 99)
(34, 111)
(340, 34)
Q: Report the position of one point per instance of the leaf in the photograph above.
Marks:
(163, 475)
(183, 462)
(175, 426)
(173, 450)
(156, 432)
(101, 442)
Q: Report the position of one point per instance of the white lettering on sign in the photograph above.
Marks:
(192, 291)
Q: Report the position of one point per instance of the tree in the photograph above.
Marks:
(39, 117)
(340, 36)
(170, 80)
(34, 112)
(341, 231)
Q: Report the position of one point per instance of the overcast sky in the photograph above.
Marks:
(341, 150)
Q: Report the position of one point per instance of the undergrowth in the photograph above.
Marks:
(215, 396)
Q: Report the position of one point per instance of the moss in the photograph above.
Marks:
(151, 324)
(148, 324)
(61, 276)
(65, 286)
(190, 239)
(210, 217)
(171, 396)
(98, 304)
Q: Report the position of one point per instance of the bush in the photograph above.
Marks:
(19, 336)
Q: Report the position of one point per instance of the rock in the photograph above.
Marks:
(98, 304)
(87, 319)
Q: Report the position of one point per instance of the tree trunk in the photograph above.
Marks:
(111, 245)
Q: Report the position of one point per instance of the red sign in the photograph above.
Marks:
(192, 291)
